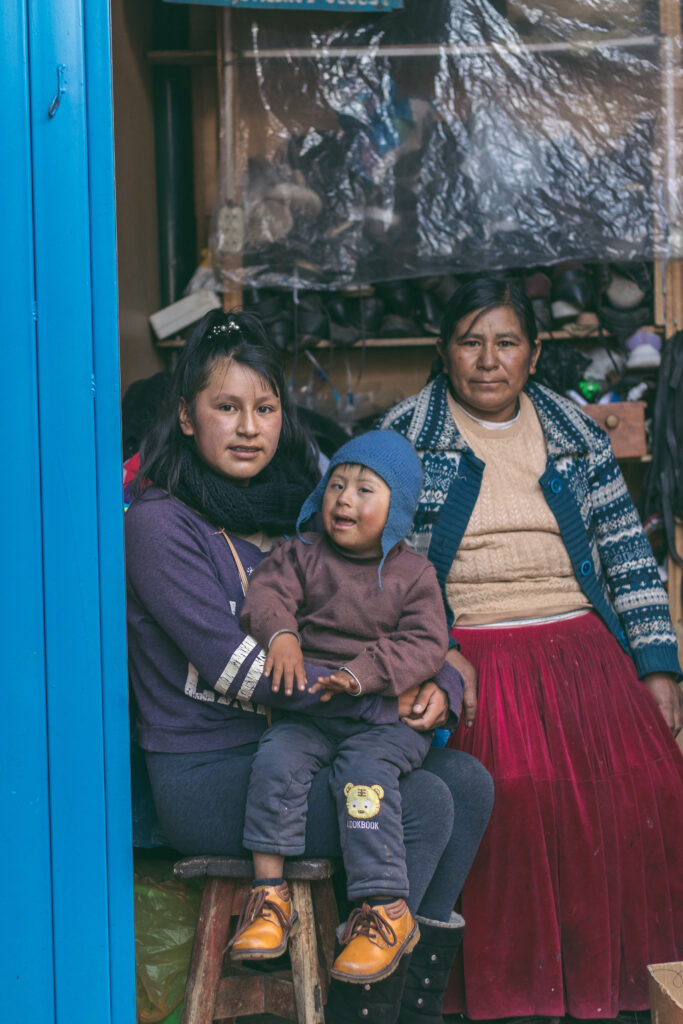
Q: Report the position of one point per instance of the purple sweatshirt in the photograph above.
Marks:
(197, 677)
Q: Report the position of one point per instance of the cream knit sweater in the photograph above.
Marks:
(512, 562)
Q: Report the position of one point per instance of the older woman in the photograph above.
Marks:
(556, 601)
(228, 470)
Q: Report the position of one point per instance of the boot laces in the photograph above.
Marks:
(258, 905)
(367, 921)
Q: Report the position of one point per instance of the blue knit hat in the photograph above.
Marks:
(394, 459)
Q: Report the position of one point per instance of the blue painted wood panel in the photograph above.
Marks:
(26, 965)
(65, 783)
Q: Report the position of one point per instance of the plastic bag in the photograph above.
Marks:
(165, 921)
(449, 137)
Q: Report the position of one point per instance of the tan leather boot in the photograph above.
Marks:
(374, 939)
(264, 925)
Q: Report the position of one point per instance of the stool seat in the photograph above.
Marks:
(297, 870)
(216, 988)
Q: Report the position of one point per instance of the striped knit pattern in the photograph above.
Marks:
(586, 492)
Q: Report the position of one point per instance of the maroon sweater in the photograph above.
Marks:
(390, 638)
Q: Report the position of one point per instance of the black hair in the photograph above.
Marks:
(485, 294)
(237, 336)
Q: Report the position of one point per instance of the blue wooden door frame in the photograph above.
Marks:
(66, 855)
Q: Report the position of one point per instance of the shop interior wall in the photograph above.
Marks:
(136, 210)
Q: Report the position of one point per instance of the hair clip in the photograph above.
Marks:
(218, 329)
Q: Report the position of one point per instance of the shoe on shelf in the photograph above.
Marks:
(543, 314)
(428, 313)
(364, 313)
(374, 940)
(630, 285)
(398, 297)
(264, 927)
(571, 291)
(644, 350)
(281, 331)
(395, 326)
(537, 285)
(311, 326)
(446, 289)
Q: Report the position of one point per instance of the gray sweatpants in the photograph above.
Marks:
(366, 763)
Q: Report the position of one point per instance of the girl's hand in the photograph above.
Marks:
(469, 675)
(286, 661)
(337, 682)
(430, 709)
(668, 698)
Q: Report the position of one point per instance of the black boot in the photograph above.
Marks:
(429, 969)
(378, 1003)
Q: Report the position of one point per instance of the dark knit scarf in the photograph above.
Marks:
(270, 502)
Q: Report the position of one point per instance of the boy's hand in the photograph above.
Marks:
(338, 682)
(286, 662)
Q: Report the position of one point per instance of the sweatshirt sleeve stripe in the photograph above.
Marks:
(252, 677)
(237, 659)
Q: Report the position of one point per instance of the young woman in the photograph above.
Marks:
(557, 603)
(228, 469)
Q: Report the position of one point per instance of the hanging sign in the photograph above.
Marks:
(349, 6)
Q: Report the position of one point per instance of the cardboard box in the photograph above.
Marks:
(173, 319)
(666, 993)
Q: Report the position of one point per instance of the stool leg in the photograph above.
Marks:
(303, 952)
(213, 925)
(326, 921)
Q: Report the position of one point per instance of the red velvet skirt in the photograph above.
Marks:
(578, 883)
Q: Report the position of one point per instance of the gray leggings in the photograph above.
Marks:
(200, 799)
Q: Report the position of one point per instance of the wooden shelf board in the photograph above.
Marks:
(385, 343)
(577, 46)
(182, 58)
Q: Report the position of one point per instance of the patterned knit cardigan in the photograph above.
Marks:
(585, 490)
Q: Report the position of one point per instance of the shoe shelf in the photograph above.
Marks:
(430, 341)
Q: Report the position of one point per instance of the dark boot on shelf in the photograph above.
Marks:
(430, 966)
(377, 1003)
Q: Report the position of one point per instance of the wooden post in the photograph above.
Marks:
(303, 951)
(669, 282)
(229, 163)
(211, 936)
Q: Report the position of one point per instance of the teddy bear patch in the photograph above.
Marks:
(362, 804)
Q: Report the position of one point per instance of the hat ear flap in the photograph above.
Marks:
(312, 504)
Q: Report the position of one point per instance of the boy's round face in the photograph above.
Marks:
(355, 509)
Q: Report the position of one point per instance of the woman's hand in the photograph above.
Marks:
(429, 710)
(668, 698)
(469, 675)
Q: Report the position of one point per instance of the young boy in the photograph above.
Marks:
(356, 598)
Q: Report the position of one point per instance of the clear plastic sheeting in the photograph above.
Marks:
(450, 137)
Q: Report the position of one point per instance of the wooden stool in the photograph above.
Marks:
(218, 990)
